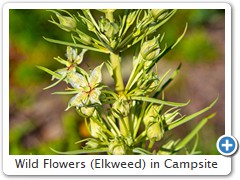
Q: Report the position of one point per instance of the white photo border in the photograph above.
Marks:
(9, 159)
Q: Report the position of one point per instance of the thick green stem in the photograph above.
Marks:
(117, 74)
(119, 87)
(109, 16)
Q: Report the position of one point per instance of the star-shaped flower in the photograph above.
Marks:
(73, 59)
(88, 88)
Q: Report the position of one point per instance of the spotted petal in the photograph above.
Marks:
(77, 80)
(96, 76)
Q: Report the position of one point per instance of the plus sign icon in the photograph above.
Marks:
(227, 145)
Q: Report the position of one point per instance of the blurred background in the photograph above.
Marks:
(37, 118)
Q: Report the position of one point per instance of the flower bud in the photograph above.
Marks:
(131, 17)
(169, 117)
(148, 82)
(152, 115)
(87, 40)
(155, 132)
(86, 111)
(95, 129)
(150, 49)
(67, 23)
(110, 29)
(92, 143)
(117, 147)
(83, 38)
(159, 14)
(120, 108)
(73, 56)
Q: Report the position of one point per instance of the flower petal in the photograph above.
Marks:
(96, 76)
(78, 100)
(79, 57)
(69, 53)
(77, 80)
(94, 96)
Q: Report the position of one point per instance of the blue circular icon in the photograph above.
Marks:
(227, 145)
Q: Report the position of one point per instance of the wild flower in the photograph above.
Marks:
(88, 88)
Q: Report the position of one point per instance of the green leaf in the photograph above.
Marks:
(81, 151)
(58, 76)
(141, 151)
(190, 117)
(193, 151)
(174, 74)
(66, 92)
(54, 84)
(188, 138)
(75, 45)
(158, 101)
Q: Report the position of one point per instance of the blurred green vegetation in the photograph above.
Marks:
(196, 46)
(28, 49)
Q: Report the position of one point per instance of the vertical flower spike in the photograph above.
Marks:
(122, 118)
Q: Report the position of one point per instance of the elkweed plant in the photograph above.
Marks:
(132, 117)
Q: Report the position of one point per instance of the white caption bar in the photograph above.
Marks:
(118, 165)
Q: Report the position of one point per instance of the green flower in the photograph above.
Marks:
(95, 129)
(150, 49)
(92, 143)
(117, 147)
(121, 108)
(87, 87)
(110, 29)
(151, 115)
(148, 83)
(155, 131)
(73, 56)
(86, 111)
(159, 14)
(67, 23)
(73, 59)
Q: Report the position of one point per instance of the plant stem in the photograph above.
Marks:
(109, 16)
(117, 74)
(150, 145)
(119, 87)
